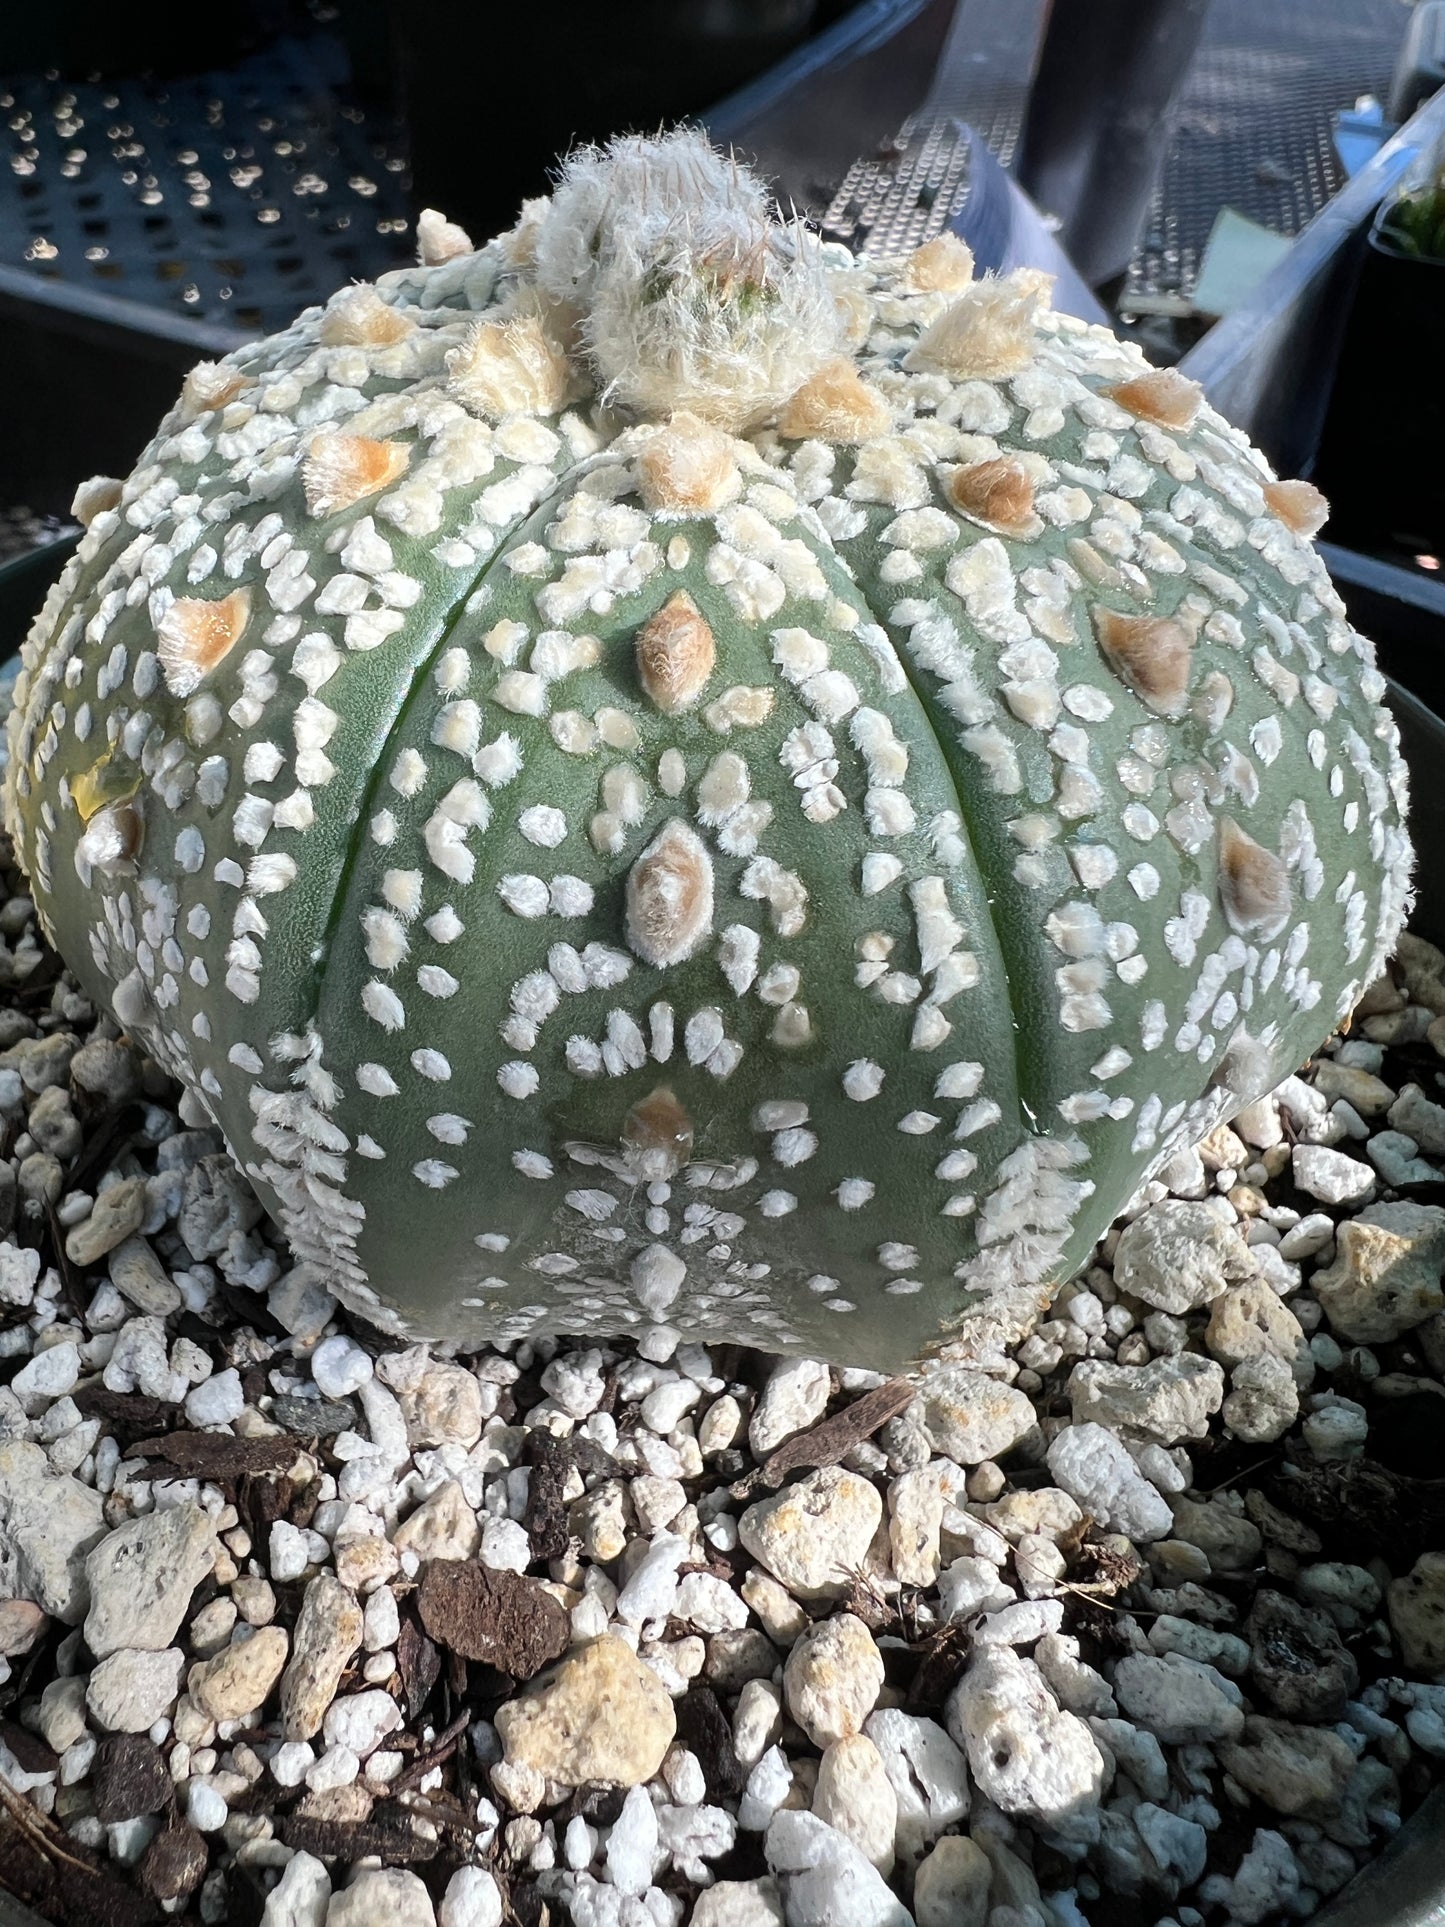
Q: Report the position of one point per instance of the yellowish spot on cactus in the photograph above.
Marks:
(508, 368)
(943, 265)
(687, 468)
(1162, 395)
(998, 493)
(359, 318)
(194, 636)
(669, 896)
(93, 497)
(657, 1137)
(1299, 505)
(438, 239)
(1151, 654)
(341, 470)
(210, 385)
(988, 333)
(835, 405)
(675, 654)
(1253, 883)
(105, 782)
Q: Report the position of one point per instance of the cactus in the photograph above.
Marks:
(653, 774)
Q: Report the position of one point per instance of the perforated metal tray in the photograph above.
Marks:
(905, 195)
(237, 196)
(1252, 128)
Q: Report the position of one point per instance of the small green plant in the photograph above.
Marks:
(1414, 224)
(652, 774)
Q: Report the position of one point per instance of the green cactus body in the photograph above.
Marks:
(785, 876)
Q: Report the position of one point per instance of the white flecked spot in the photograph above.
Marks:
(863, 1079)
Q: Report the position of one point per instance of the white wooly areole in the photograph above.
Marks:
(655, 773)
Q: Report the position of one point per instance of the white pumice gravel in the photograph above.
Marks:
(1146, 1611)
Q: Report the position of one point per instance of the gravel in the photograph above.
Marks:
(1146, 1610)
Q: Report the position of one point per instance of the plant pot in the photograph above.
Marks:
(1422, 740)
(87, 376)
(24, 580)
(1379, 458)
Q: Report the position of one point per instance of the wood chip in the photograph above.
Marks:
(43, 1867)
(500, 1618)
(212, 1455)
(130, 1415)
(1100, 1568)
(1362, 1509)
(862, 1598)
(174, 1864)
(529, 1908)
(394, 1844)
(130, 1778)
(33, 1754)
(261, 1501)
(939, 1668)
(545, 1518)
(418, 1662)
(599, 1804)
(834, 1438)
(440, 1750)
(703, 1728)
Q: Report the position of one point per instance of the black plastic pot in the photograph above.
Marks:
(1270, 367)
(24, 580)
(86, 378)
(1405, 1885)
(1404, 615)
(1379, 459)
(1422, 738)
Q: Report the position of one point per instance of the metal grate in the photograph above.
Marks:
(236, 196)
(984, 73)
(896, 200)
(1253, 128)
(907, 192)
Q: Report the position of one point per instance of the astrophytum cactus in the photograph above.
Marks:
(654, 774)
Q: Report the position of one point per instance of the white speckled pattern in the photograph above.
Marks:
(940, 816)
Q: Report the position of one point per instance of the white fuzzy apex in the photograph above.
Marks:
(692, 296)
